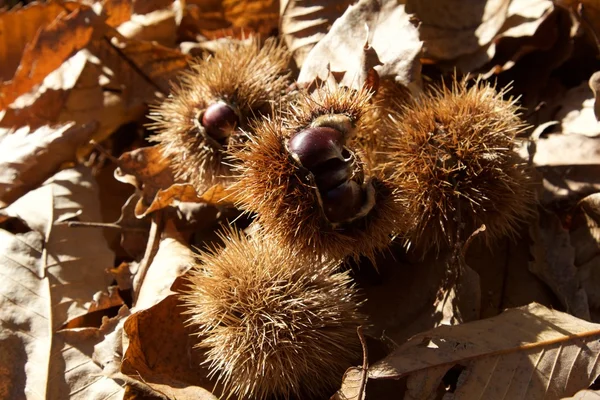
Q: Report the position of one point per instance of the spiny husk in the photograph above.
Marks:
(250, 78)
(284, 197)
(272, 322)
(454, 161)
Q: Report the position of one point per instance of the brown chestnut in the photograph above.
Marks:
(314, 146)
(332, 174)
(218, 120)
(343, 202)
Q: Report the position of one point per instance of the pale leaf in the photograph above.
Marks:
(29, 157)
(50, 273)
(554, 263)
(524, 353)
(368, 24)
(304, 23)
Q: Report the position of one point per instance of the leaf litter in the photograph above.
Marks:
(85, 317)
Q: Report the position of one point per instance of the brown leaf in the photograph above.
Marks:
(172, 260)
(585, 395)
(30, 157)
(53, 272)
(117, 11)
(148, 171)
(554, 263)
(19, 26)
(514, 355)
(407, 298)
(158, 26)
(342, 50)
(577, 111)
(303, 23)
(110, 82)
(453, 28)
(594, 84)
(238, 18)
(163, 358)
(52, 44)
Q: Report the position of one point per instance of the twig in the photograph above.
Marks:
(105, 225)
(151, 249)
(365, 364)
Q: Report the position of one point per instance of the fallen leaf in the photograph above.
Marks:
(182, 192)
(52, 279)
(303, 23)
(236, 18)
(594, 84)
(69, 194)
(569, 165)
(554, 263)
(400, 304)
(110, 82)
(577, 111)
(342, 50)
(19, 26)
(172, 260)
(117, 11)
(30, 157)
(148, 171)
(163, 358)
(585, 395)
(158, 26)
(53, 44)
(514, 355)
(453, 28)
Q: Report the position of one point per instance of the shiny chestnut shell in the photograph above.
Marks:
(218, 120)
(314, 146)
(344, 202)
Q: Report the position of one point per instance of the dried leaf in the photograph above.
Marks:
(53, 272)
(30, 157)
(577, 111)
(594, 84)
(19, 26)
(303, 23)
(342, 50)
(148, 171)
(524, 353)
(585, 395)
(53, 44)
(172, 260)
(157, 26)
(237, 18)
(110, 82)
(453, 28)
(162, 358)
(554, 263)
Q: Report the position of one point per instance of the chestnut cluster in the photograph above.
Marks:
(327, 175)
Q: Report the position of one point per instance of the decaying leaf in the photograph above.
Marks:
(577, 111)
(54, 44)
(524, 353)
(453, 28)
(19, 27)
(594, 84)
(161, 358)
(30, 157)
(343, 50)
(554, 263)
(110, 81)
(172, 260)
(54, 272)
(304, 23)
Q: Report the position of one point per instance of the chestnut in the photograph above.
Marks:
(343, 202)
(314, 146)
(218, 119)
(332, 174)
